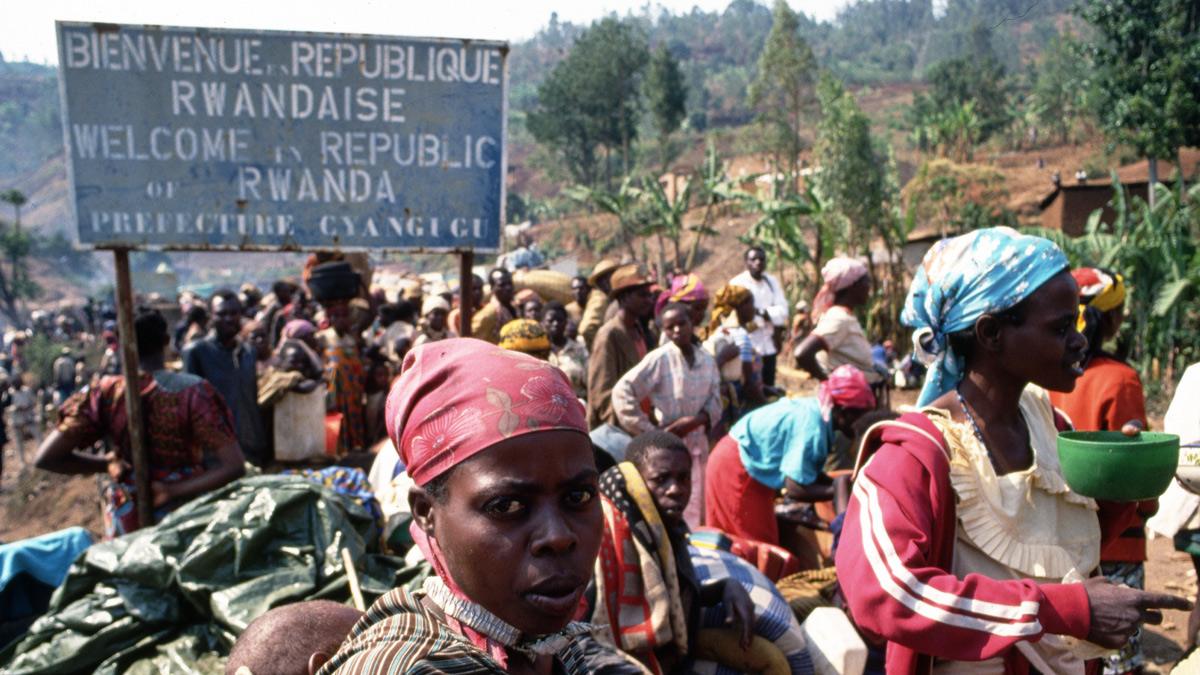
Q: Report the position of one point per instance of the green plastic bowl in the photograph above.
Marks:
(1111, 466)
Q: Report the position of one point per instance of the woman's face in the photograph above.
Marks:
(668, 476)
(677, 326)
(520, 528)
(1046, 348)
(337, 312)
(858, 293)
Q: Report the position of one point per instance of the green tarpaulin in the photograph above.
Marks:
(172, 598)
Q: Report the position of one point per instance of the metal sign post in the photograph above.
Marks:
(466, 292)
(133, 394)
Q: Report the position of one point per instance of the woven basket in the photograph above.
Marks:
(808, 590)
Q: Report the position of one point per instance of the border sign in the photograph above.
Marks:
(213, 139)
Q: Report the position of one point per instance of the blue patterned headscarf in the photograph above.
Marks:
(960, 280)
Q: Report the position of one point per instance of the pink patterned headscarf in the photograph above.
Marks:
(684, 288)
(847, 387)
(455, 399)
(839, 273)
(298, 329)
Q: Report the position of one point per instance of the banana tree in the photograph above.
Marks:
(623, 203)
(666, 213)
(715, 187)
(783, 226)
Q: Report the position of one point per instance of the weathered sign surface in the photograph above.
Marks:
(195, 138)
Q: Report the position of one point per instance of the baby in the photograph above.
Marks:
(294, 639)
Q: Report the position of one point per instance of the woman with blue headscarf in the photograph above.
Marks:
(963, 547)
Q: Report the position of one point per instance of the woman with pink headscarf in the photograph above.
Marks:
(781, 446)
(505, 508)
(838, 338)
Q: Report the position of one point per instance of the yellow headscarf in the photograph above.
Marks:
(1098, 288)
(727, 299)
(526, 336)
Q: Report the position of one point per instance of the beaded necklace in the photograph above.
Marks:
(962, 402)
(499, 630)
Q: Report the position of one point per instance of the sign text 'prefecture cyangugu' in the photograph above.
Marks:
(192, 138)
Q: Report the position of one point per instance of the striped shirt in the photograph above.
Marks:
(399, 634)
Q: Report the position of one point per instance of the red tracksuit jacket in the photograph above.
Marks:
(895, 553)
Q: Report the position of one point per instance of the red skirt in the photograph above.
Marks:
(735, 502)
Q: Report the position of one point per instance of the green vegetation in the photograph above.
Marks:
(782, 92)
(590, 103)
(1145, 60)
(30, 128)
(667, 96)
(15, 247)
(1157, 249)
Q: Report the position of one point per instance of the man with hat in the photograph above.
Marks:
(621, 342)
(486, 323)
(595, 311)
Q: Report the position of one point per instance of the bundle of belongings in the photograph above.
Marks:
(182, 591)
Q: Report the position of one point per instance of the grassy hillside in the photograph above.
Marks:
(30, 130)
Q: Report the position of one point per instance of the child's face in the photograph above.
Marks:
(293, 359)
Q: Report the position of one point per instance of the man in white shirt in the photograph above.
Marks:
(770, 305)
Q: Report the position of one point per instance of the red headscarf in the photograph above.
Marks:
(846, 387)
(456, 398)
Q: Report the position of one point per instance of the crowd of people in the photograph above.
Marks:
(565, 467)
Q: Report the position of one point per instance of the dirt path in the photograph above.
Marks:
(1168, 571)
(34, 502)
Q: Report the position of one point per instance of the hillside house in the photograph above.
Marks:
(1069, 205)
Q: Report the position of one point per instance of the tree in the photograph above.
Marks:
(666, 211)
(715, 188)
(1144, 58)
(16, 245)
(592, 99)
(16, 199)
(783, 228)
(1157, 250)
(850, 178)
(624, 203)
(1057, 96)
(666, 94)
(782, 90)
(980, 80)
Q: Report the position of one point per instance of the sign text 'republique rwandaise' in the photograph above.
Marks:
(194, 138)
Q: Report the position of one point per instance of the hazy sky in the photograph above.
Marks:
(27, 28)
